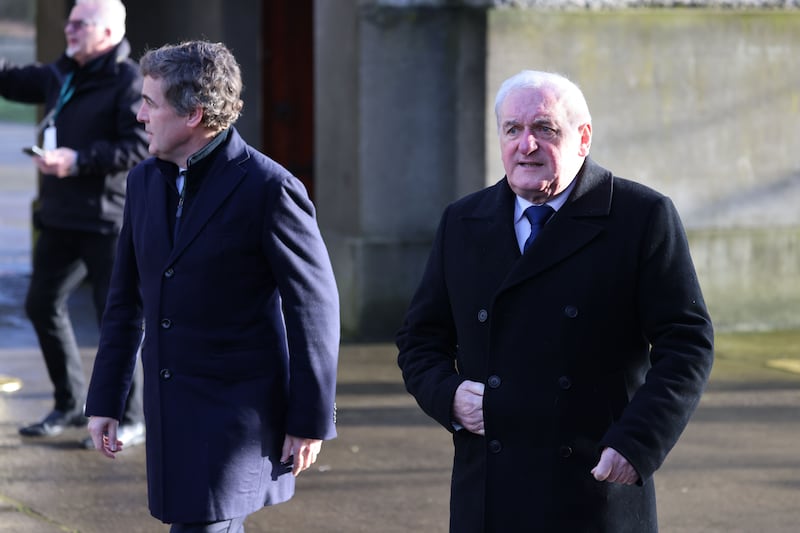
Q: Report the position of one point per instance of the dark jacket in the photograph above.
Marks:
(242, 323)
(99, 122)
(597, 336)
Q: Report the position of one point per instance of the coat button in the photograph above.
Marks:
(571, 311)
(564, 383)
(165, 374)
(564, 451)
(495, 446)
(166, 323)
(483, 314)
(169, 273)
(494, 382)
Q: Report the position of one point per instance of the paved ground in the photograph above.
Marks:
(737, 468)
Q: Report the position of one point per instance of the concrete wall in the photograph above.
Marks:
(702, 105)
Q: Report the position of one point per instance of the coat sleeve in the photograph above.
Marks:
(677, 325)
(28, 84)
(310, 303)
(121, 331)
(427, 340)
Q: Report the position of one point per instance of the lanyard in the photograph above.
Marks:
(67, 90)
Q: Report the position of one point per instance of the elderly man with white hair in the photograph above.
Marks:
(558, 332)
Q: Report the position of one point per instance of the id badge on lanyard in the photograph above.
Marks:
(49, 141)
(49, 135)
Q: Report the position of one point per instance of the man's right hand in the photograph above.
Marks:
(104, 435)
(468, 406)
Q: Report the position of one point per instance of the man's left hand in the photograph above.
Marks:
(614, 468)
(305, 452)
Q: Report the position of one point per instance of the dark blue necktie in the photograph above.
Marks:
(538, 215)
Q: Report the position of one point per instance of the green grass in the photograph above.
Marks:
(14, 112)
(757, 356)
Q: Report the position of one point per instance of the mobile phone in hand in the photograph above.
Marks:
(33, 150)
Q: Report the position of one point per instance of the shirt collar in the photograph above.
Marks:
(556, 203)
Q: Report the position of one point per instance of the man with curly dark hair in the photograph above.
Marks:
(221, 255)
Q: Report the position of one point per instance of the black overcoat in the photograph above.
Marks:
(242, 333)
(99, 122)
(597, 336)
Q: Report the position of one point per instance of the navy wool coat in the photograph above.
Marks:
(597, 336)
(242, 332)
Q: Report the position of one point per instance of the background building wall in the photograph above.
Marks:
(703, 105)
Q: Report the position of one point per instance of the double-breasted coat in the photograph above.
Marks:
(596, 336)
(241, 316)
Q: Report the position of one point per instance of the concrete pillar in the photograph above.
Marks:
(399, 97)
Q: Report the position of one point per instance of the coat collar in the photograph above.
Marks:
(223, 170)
(225, 173)
(591, 195)
(570, 229)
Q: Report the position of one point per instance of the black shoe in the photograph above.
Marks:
(53, 424)
(129, 434)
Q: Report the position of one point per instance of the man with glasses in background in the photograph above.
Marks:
(90, 139)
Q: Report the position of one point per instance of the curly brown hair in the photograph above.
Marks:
(198, 74)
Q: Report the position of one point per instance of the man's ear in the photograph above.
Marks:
(195, 117)
(585, 131)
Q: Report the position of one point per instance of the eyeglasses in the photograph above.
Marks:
(77, 25)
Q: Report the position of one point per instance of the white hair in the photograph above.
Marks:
(109, 13)
(576, 106)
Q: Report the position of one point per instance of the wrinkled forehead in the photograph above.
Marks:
(526, 104)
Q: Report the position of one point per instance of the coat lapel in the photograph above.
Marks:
(571, 229)
(159, 243)
(223, 176)
(489, 229)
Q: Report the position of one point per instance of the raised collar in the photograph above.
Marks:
(203, 152)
